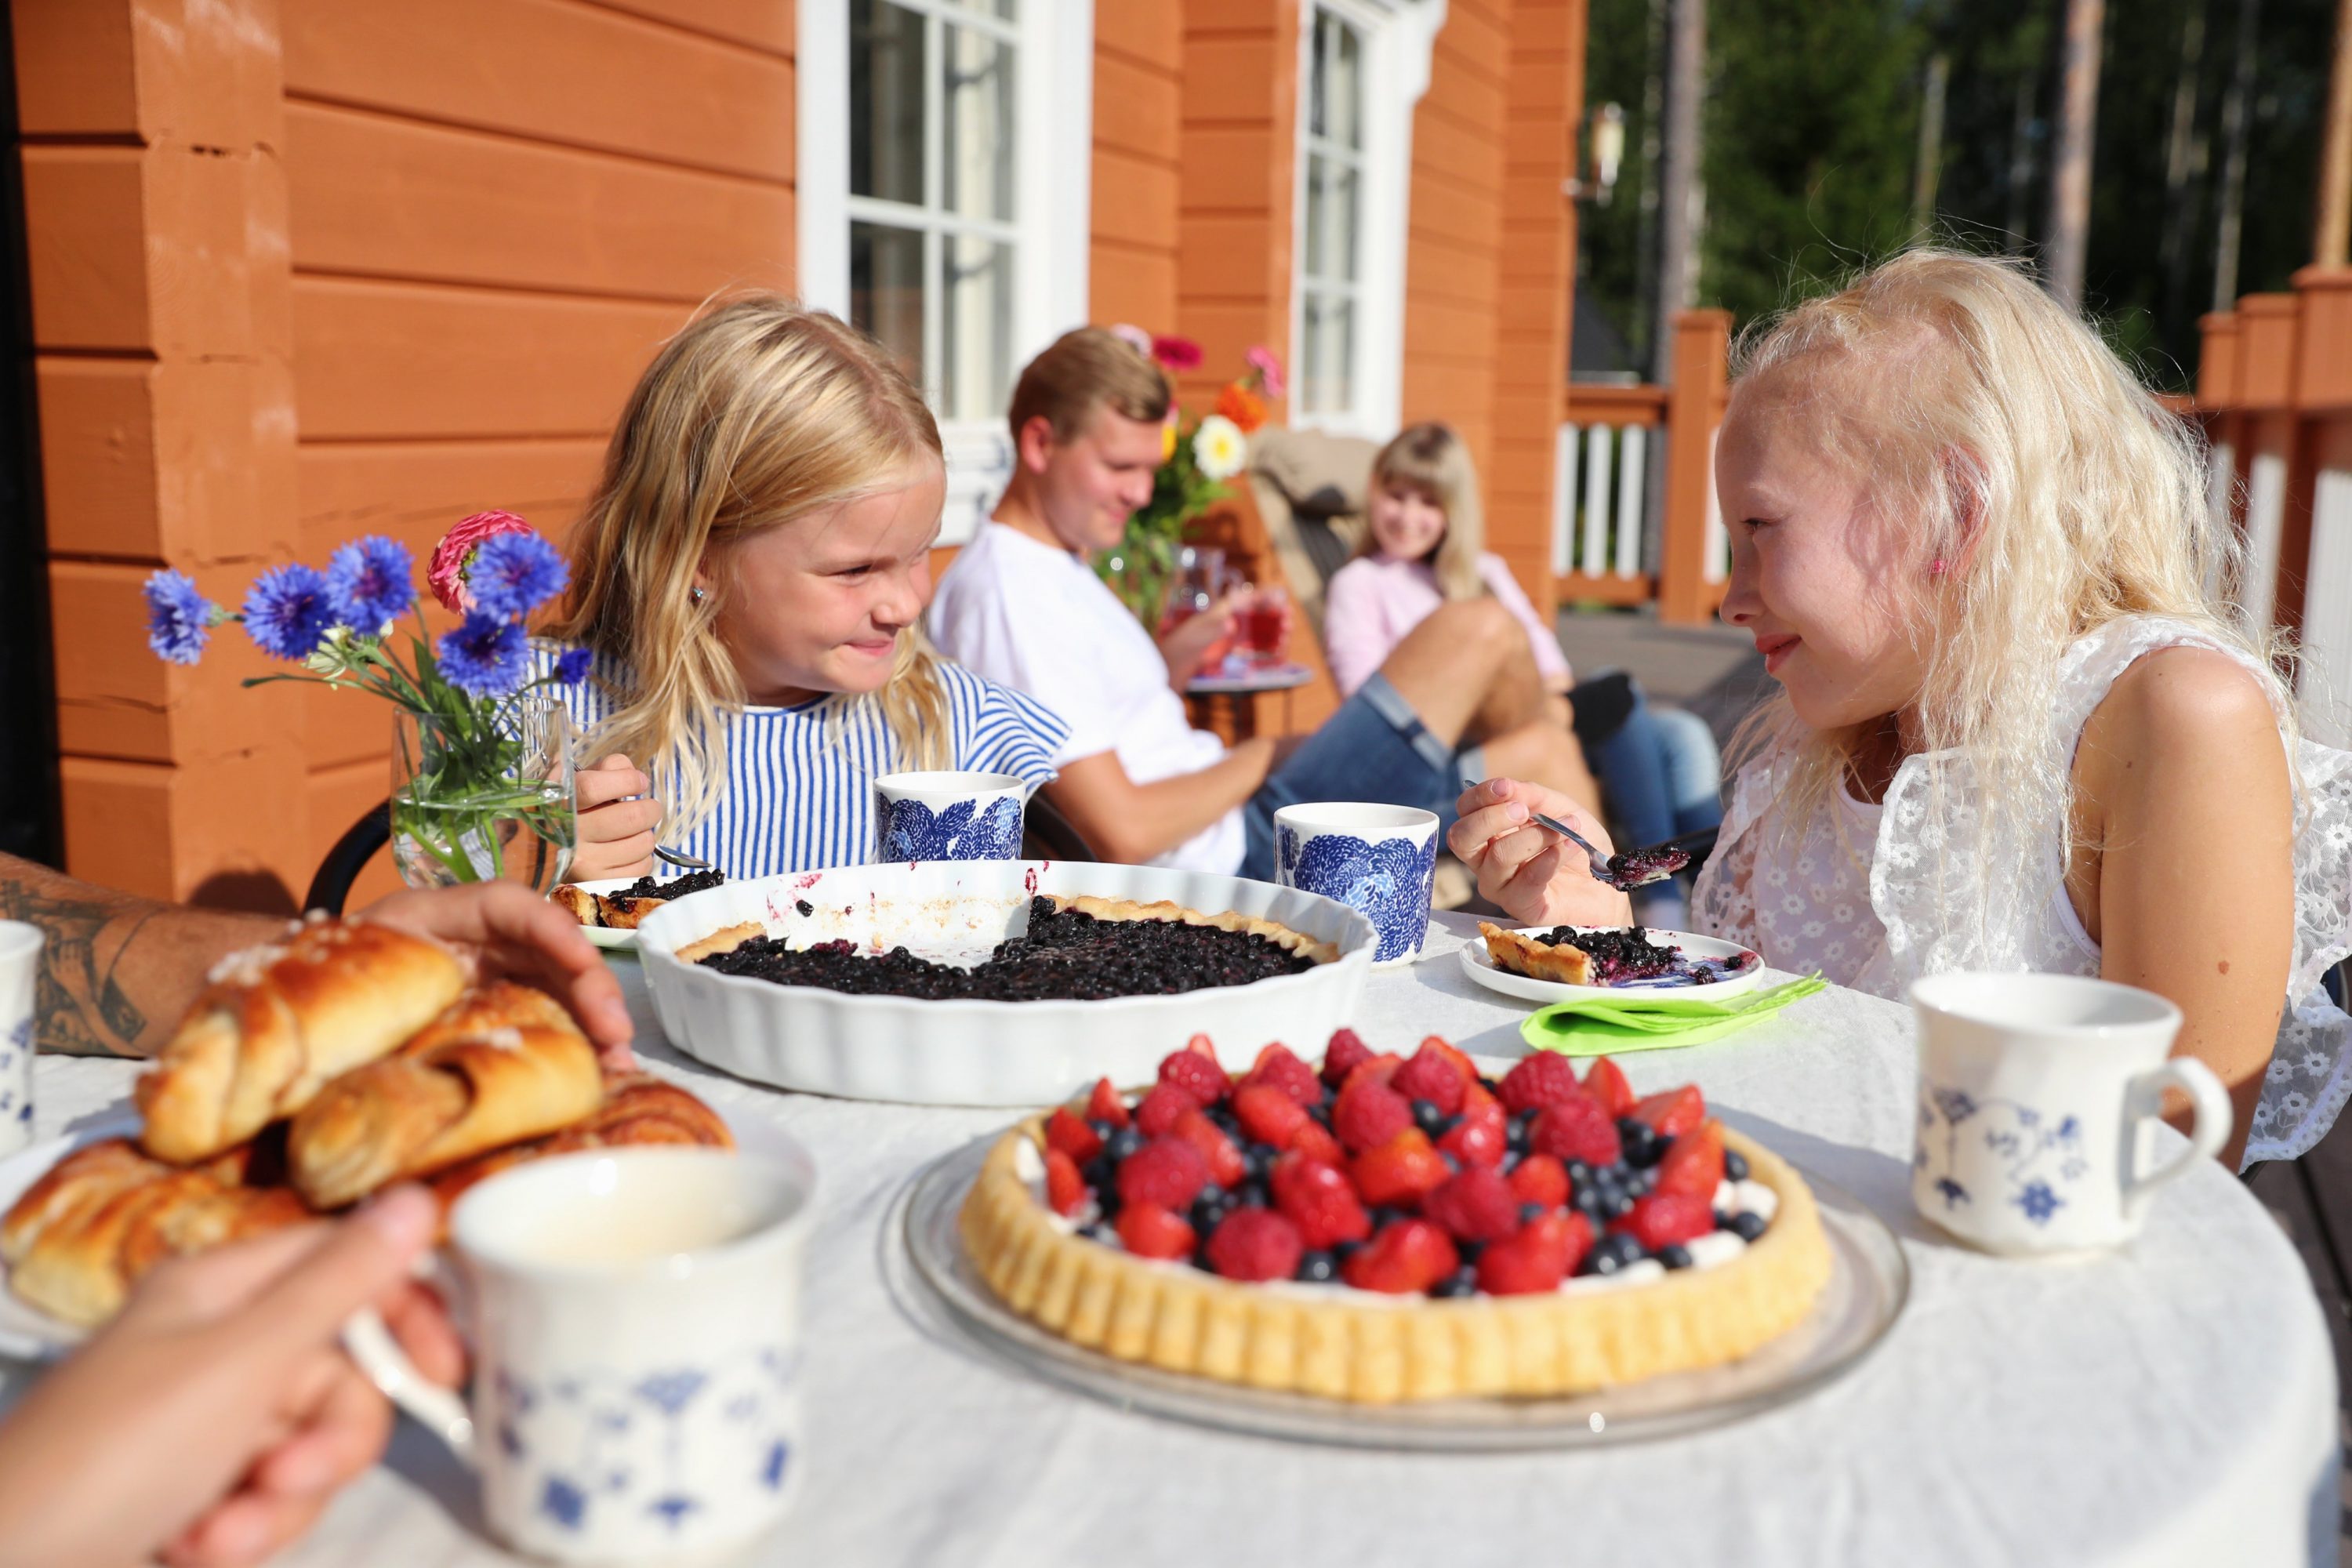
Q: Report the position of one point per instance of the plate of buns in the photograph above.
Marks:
(309, 1074)
(610, 910)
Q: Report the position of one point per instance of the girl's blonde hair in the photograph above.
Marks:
(1433, 459)
(758, 413)
(1999, 439)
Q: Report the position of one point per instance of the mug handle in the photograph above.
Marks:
(2207, 1132)
(368, 1341)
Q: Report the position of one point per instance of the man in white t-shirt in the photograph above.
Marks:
(1022, 605)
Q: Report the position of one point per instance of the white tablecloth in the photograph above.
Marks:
(2174, 1404)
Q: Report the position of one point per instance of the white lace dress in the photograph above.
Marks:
(1865, 894)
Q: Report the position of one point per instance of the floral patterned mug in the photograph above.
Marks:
(634, 1315)
(2039, 1096)
(1379, 860)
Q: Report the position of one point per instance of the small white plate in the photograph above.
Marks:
(27, 1334)
(605, 936)
(1482, 968)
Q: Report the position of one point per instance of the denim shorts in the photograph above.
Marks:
(1375, 748)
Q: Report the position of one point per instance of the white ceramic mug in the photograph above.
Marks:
(2039, 1096)
(1379, 860)
(634, 1319)
(949, 817)
(20, 964)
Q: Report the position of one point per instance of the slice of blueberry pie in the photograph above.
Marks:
(1389, 1229)
(625, 908)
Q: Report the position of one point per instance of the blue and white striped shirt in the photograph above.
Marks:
(800, 781)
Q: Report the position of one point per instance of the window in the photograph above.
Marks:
(930, 213)
(1363, 65)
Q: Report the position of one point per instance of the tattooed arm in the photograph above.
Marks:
(118, 970)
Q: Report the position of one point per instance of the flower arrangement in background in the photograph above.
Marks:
(473, 761)
(1196, 465)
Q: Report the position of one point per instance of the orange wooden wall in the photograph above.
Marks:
(1139, 79)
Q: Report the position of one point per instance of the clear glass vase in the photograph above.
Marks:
(472, 803)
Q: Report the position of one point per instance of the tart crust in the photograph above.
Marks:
(1380, 1351)
(1168, 910)
(1536, 959)
(608, 911)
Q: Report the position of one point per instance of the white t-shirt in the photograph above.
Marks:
(1037, 619)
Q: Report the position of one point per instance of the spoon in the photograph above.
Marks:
(687, 862)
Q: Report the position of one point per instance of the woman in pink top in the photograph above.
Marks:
(1658, 768)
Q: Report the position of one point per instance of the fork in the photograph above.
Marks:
(1654, 862)
(1601, 872)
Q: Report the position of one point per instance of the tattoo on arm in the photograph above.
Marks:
(79, 1002)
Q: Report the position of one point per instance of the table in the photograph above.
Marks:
(2174, 1404)
(1235, 697)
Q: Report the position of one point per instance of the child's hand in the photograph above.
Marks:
(617, 819)
(1537, 878)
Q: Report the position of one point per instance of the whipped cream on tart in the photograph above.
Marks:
(1390, 1229)
(1080, 949)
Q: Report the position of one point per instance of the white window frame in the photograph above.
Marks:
(1053, 114)
(1397, 37)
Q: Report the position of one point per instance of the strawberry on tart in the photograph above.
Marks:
(1393, 1229)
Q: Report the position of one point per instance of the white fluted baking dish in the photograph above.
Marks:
(971, 1052)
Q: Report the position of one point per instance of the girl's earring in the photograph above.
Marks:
(697, 595)
(1936, 568)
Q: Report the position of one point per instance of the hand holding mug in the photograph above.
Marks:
(616, 821)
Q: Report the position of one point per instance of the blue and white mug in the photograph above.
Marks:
(20, 964)
(635, 1321)
(2039, 1096)
(1379, 860)
(949, 817)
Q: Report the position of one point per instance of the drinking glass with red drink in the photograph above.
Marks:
(1263, 623)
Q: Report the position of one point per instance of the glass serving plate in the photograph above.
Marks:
(1869, 1283)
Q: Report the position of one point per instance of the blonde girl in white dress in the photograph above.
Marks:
(2022, 723)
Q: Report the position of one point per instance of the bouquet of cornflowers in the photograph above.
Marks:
(474, 778)
(1196, 462)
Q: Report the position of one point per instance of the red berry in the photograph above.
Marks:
(1576, 1130)
(1224, 1162)
(1439, 1045)
(1661, 1218)
(1540, 1179)
(1267, 1114)
(1066, 1131)
(1340, 1056)
(1674, 1112)
(1605, 1082)
(1368, 1114)
(1148, 1230)
(1201, 1044)
(1373, 1070)
(1476, 1205)
(1431, 1077)
(1540, 1079)
(1254, 1244)
(1694, 1164)
(1401, 1172)
(1315, 1140)
(1106, 1104)
(1197, 1075)
(1537, 1259)
(1277, 1069)
(1163, 1104)
(1319, 1200)
(1066, 1190)
(1405, 1260)
(1480, 1138)
(1167, 1170)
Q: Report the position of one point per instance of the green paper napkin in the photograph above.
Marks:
(1649, 1021)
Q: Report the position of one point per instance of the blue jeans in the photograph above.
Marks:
(1660, 774)
(1375, 748)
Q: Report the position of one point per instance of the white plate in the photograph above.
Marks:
(971, 1052)
(1482, 968)
(30, 1335)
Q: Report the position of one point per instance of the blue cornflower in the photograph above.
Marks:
(571, 666)
(287, 611)
(514, 574)
(368, 582)
(486, 656)
(179, 619)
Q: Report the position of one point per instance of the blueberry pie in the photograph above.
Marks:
(625, 908)
(1389, 1229)
(1073, 949)
(1607, 956)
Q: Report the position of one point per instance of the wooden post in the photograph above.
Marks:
(1701, 340)
(2070, 173)
(2334, 228)
(1678, 182)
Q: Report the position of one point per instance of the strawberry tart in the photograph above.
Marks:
(1389, 1229)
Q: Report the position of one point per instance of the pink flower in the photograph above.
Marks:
(1179, 354)
(454, 556)
(1269, 370)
